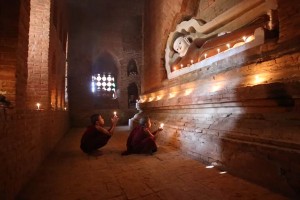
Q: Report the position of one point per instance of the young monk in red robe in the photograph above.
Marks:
(96, 136)
(141, 140)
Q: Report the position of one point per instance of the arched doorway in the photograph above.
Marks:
(133, 95)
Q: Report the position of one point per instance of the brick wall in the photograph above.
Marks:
(38, 76)
(112, 31)
(8, 46)
(27, 135)
(241, 112)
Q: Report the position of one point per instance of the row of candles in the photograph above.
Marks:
(160, 126)
(244, 38)
(254, 80)
(38, 106)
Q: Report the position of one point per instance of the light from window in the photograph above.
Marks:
(103, 85)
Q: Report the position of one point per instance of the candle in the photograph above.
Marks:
(192, 61)
(115, 113)
(228, 45)
(38, 105)
(218, 50)
(161, 125)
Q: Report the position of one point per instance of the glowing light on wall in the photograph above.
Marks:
(258, 79)
(171, 95)
(158, 97)
(216, 87)
(188, 92)
(150, 99)
(250, 38)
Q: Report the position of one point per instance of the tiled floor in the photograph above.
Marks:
(69, 174)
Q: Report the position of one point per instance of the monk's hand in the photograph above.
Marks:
(160, 129)
(114, 119)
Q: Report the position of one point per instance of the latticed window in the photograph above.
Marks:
(103, 85)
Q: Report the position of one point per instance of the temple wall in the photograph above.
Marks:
(240, 113)
(27, 135)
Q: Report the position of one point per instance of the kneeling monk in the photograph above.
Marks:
(141, 140)
(96, 136)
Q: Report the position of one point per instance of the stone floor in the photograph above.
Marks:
(69, 174)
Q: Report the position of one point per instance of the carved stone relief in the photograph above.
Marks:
(195, 41)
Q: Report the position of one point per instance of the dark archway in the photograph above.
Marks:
(133, 95)
(105, 63)
(132, 68)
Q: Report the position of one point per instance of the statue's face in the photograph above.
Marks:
(181, 46)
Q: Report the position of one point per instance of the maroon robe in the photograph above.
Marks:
(93, 139)
(140, 141)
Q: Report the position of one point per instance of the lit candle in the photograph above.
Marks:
(244, 38)
(38, 105)
(115, 113)
(228, 45)
(65, 108)
(174, 68)
(181, 65)
(161, 125)
(192, 61)
(205, 55)
(218, 50)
